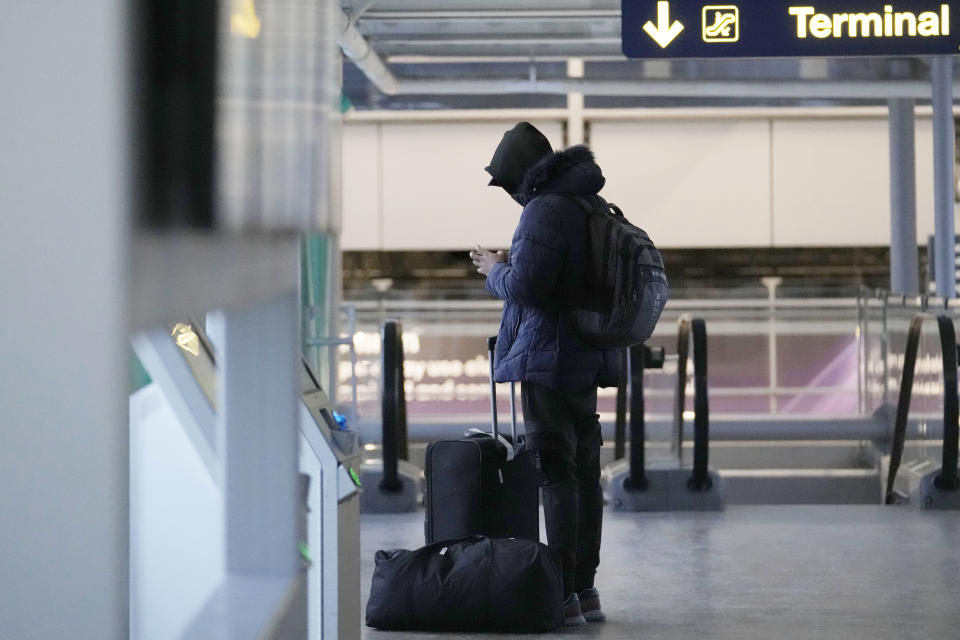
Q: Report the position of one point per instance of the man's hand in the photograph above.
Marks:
(484, 259)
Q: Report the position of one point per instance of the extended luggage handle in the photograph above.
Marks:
(491, 346)
(700, 479)
(947, 479)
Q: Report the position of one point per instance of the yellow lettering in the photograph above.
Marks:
(929, 24)
(865, 20)
(911, 21)
(890, 23)
(821, 26)
(838, 21)
(801, 13)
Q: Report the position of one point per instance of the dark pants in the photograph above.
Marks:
(563, 434)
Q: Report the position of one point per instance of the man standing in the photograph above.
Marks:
(538, 346)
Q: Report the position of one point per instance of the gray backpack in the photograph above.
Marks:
(625, 284)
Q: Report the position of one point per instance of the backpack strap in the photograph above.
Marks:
(598, 203)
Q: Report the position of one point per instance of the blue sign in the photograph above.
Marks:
(785, 28)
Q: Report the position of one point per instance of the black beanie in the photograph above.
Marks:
(519, 150)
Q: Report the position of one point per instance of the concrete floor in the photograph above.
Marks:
(765, 572)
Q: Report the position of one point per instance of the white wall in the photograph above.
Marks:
(362, 215)
(422, 185)
(689, 184)
(773, 179)
(832, 182)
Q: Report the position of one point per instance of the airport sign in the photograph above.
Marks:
(789, 28)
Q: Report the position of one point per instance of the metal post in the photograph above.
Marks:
(863, 329)
(354, 399)
(333, 286)
(904, 276)
(885, 351)
(771, 283)
(575, 121)
(943, 157)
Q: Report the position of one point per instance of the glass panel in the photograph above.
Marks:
(817, 355)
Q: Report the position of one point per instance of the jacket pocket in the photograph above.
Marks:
(516, 326)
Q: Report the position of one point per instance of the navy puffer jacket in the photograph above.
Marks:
(537, 342)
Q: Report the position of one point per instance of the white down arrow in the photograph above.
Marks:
(664, 32)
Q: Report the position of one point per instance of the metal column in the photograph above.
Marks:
(943, 153)
(771, 283)
(903, 199)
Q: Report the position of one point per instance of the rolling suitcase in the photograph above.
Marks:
(482, 484)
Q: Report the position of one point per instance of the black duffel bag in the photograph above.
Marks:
(471, 584)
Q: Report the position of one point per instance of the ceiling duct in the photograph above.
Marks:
(361, 53)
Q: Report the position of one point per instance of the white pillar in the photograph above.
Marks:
(64, 206)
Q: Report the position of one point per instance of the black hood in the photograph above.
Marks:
(573, 171)
(521, 147)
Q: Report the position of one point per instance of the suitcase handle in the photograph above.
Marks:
(491, 346)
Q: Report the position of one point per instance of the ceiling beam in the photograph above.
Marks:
(793, 89)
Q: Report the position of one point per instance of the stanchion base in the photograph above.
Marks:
(929, 496)
(667, 490)
(373, 499)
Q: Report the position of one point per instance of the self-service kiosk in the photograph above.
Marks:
(330, 455)
(182, 364)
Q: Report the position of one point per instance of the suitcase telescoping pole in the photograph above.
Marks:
(491, 343)
(491, 346)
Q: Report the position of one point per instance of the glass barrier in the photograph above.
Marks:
(768, 356)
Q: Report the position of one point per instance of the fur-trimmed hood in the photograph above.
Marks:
(572, 171)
